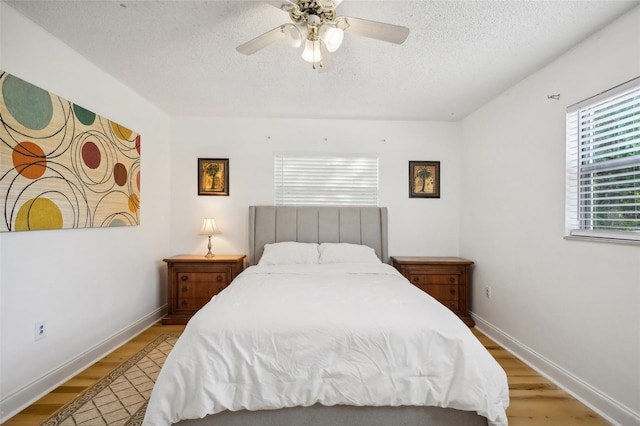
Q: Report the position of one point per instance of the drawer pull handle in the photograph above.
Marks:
(453, 291)
(452, 280)
(184, 303)
(184, 277)
(184, 288)
(219, 278)
(415, 279)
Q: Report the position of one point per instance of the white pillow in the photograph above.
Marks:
(346, 253)
(289, 252)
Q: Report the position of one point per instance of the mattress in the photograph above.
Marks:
(326, 334)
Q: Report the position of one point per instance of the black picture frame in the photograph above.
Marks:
(424, 179)
(213, 176)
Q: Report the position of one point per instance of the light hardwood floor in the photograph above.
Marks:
(534, 399)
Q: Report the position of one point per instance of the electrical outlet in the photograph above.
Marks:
(40, 330)
(487, 292)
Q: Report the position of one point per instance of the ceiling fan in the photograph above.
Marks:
(315, 22)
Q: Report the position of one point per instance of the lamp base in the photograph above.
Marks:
(209, 253)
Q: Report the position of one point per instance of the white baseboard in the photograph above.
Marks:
(610, 409)
(30, 393)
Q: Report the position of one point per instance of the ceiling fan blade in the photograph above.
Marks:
(262, 41)
(378, 30)
(285, 5)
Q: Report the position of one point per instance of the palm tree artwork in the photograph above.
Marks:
(423, 178)
(210, 172)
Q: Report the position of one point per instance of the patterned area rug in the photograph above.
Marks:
(119, 399)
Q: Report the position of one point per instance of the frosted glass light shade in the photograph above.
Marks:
(292, 34)
(311, 52)
(332, 37)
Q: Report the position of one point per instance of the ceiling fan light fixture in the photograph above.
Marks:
(316, 22)
(311, 52)
(331, 36)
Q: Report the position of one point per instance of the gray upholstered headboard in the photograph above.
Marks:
(356, 225)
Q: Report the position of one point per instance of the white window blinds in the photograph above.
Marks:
(326, 179)
(603, 165)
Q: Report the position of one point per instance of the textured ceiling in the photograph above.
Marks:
(180, 55)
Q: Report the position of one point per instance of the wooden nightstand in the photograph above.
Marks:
(194, 279)
(447, 279)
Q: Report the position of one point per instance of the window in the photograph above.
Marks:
(325, 179)
(603, 165)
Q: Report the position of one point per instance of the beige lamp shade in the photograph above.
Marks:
(209, 227)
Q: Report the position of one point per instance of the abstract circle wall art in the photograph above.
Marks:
(61, 165)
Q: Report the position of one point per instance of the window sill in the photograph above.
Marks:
(602, 240)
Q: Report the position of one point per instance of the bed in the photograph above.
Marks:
(321, 330)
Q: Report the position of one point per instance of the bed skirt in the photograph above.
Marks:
(340, 415)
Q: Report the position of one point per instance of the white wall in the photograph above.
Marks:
(571, 308)
(92, 286)
(416, 226)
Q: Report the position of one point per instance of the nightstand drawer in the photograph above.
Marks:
(453, 279)
(203, 278)
(443, 293)
(190, 305)
(195, 289)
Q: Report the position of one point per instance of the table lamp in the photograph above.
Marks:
(209, 228)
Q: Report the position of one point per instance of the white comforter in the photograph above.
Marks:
(356, 334)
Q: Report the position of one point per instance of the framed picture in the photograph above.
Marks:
(213, 176)
(424, 179)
